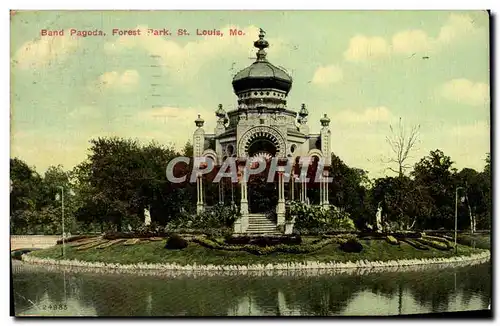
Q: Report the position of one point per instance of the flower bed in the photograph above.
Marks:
(74, 238)
(92, 244)
(109, 243)
(392, 240)
(433, 243)
(415, 244)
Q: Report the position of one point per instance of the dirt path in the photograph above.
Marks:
(33, 241)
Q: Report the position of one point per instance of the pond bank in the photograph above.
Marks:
(289, 266)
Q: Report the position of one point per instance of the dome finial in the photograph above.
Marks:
(261, 44)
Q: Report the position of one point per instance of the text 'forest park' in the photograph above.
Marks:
(141, 32)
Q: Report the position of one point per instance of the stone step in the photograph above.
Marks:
(262, 227)
(259, 219)
(263, 233)
(262, 222)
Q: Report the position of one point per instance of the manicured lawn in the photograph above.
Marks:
(478, 240)
(154, 252)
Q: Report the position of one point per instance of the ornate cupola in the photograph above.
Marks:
(199, 122)
(262, 84)
(303, 113)
(325, 121)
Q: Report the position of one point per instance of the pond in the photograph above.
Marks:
(40, 290)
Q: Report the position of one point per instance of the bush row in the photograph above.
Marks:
(257, 250)
(131, 235)
(214, 232)
(264, 241)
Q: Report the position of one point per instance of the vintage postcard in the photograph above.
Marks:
(250, 163)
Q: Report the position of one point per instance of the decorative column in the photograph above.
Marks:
(280, 209)
(304, 191)
(326, 201)
(243, 221)
(200, 207)
(321, 191)
(198, 140)
(221, 192)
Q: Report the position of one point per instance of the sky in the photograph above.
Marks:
(364, 69)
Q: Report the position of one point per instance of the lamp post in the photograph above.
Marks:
(62, 218)
(456, 216)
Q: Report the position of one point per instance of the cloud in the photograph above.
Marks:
(456, 26)
(363, 48)
(407, 42)
(182, 117)
(85, 113)
(116, 80)
(411, 41)
(479, 129)
(466, 92)
(369, 115)
(185, 60)
(45, 50)
(327, 75)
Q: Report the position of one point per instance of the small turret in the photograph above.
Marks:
(325, 121)
(199, 122)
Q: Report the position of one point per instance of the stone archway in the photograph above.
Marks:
(265, 142)
(265, 137)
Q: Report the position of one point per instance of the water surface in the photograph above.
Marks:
(42, 291)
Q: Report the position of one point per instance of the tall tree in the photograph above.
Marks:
(25, 185)
(434, 179)
(348, 190)
(401, 142)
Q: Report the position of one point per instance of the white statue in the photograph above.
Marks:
(379, 218)
(147, 217)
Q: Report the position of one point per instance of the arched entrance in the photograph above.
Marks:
(262, 195)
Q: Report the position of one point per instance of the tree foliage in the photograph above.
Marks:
(121, 178)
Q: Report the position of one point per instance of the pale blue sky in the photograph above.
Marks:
(364, 69)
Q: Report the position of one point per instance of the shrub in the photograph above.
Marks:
(16, 254)
(315, 217)
(176, 242)
(351, 245)
(392, 240)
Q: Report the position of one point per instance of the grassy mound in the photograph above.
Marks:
(201, 250)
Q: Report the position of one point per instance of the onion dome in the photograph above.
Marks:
(199, 122)
(262, 74)
(325, 121)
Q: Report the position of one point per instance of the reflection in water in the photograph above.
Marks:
(39, 291)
